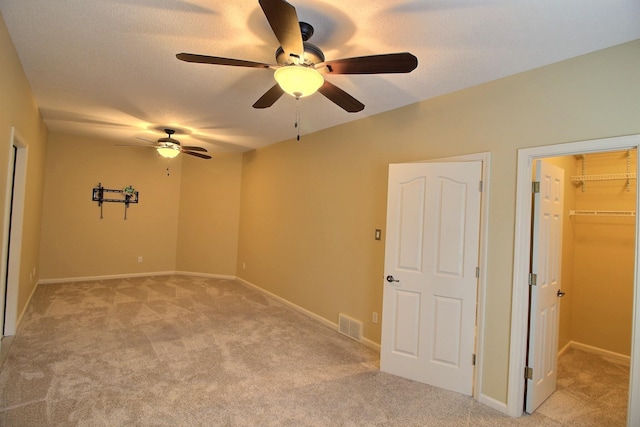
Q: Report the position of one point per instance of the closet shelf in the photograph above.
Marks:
(603, 177)
(602, 213)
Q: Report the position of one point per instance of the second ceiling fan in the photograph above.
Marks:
(170, 147)
(301, 65)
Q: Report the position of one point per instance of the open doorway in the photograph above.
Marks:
(522, 251)
(595, 295)
(13, 216)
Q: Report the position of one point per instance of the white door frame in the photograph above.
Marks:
(522, 249)
(485, 158)
(17, 219)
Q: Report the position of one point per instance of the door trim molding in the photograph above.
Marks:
(522, 249)
(485, 159)
(13, 256)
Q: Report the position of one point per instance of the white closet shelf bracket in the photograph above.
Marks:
(584, 177)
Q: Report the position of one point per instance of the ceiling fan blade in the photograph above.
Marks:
(193, 153)
(191, 148)
(270, 96)
(146, 140)
(216, 60)
(374, 64)
(341, 98)
(284, 22)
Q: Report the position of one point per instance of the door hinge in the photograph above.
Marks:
(473, 359)
(533, 278)
(481, 186)
(528, 373)
(535, 187)
(477, 272)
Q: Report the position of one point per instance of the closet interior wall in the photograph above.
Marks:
(598, 309)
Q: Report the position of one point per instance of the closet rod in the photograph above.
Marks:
(602, 213)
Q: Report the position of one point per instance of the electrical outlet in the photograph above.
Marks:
(139, 259)
(244, 266)
(374, 317)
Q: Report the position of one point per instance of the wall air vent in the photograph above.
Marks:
(350, 327)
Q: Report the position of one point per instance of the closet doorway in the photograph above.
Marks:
(597, 252)
(13, 219)
(598, 243)
(522, 252)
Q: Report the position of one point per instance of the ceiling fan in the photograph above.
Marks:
(169, 147)
(301, 65)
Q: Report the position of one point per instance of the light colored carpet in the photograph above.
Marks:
(592, 390)
(183, 351)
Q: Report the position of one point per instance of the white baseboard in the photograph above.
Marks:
(493, 403)
(211, 276)
(296, 307)
(24, 309)
(619, 358)
(108, 277)
(125, 276)
(564, 349)
(372, 345)
(326, 322)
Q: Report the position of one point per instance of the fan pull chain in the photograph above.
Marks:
(297, 125)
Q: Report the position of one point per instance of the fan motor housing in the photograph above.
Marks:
(168, 142)
(312, 55)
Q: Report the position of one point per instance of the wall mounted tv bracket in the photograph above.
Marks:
(127, 196)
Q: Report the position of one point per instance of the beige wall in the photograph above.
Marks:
(186, 220)
(309, 208)
(18, 109)
(209, 214)
(604, 258)
(75, 241)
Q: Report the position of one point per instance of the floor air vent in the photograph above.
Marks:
(350, 327)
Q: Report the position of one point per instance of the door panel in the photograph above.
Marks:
(544, 301)
(407, 312)
(410, 225)
(451, 227)
(447, 316)
(429, 306)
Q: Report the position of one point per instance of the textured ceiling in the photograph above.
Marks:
(108, 68)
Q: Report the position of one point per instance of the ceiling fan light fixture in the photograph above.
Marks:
(168, 152)
(299, 80)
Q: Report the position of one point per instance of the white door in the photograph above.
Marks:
(6, 248)
(430, 286)
(544, 313)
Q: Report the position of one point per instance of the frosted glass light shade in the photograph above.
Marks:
(298, 80)
(168, 152)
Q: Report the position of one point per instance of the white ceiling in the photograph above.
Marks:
(107, 68)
